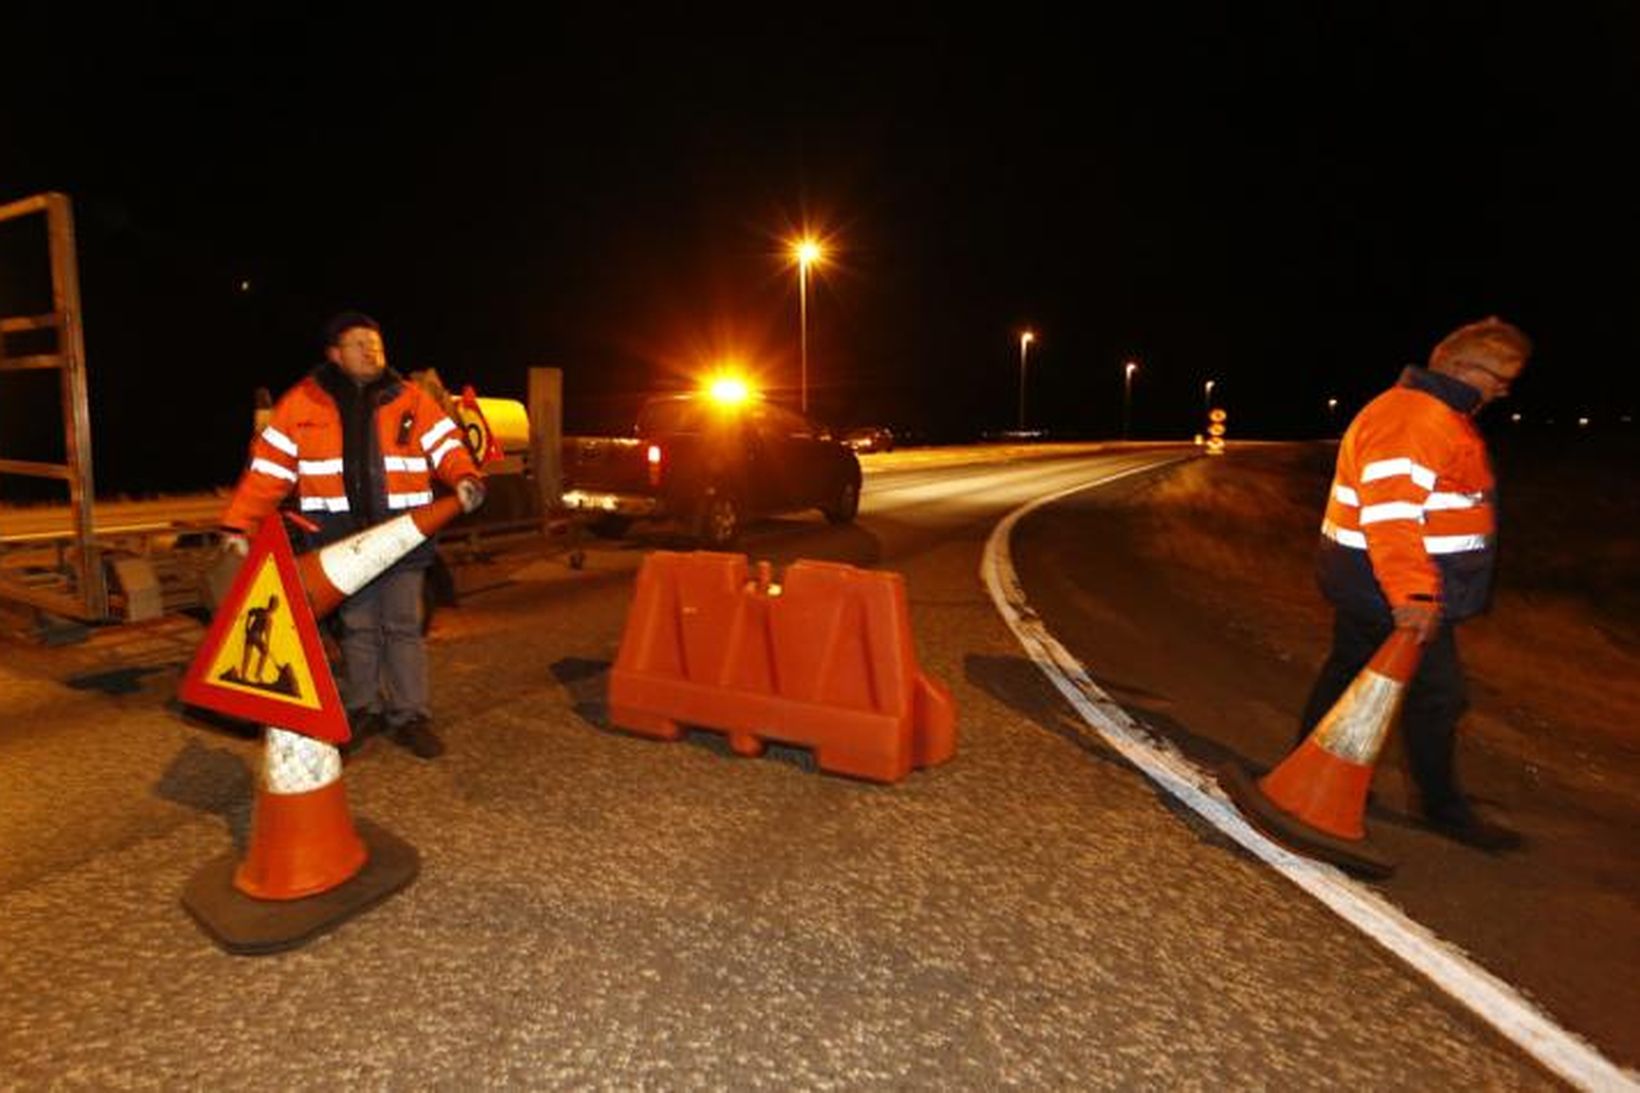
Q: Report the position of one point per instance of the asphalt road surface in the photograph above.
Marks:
(598, 910)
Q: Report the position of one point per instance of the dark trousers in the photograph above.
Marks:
(1434, 701)
(382, 647)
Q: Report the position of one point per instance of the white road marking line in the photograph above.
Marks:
(1497, 1003)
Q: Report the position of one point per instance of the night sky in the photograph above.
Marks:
(1291, 201)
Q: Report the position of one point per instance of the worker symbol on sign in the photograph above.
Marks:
(258, 622)
(257, 628)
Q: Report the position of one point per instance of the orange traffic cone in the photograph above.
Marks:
(333, 573)
(302, 837)
(1314, 801)
(308, 867)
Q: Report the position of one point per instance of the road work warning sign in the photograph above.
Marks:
(481, 441)
(262, 659)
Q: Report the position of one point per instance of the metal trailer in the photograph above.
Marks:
(72, 584)
(91, 565)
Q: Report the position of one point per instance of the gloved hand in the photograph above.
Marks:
(235, 542)
(470, 491)
(1422, 617)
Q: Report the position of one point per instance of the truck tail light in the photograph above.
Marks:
(653, 456)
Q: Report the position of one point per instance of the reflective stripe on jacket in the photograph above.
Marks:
(353, 456)
(1411, 510)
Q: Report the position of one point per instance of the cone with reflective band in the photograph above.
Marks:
(333, 573)
(1325, 782)
(302, 837)
(308, 868)
(1315, 800)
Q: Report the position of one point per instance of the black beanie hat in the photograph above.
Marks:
(345, 321)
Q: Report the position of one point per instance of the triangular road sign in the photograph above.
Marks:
(262, 659)
(481, 440)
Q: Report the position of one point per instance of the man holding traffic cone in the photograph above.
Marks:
(359, 445)
(1406, 553)
(1409, 543)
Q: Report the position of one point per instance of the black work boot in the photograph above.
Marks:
(417, 734)
(1458, 821)
(361, 724)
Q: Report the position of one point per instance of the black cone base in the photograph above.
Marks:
(1296, 835)
(254, 927)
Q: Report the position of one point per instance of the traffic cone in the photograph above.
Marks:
(333, 573)
(1314, 801)
(302, 837)
(308, 868)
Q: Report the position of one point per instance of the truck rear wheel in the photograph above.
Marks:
(717, 521)
(843, 509)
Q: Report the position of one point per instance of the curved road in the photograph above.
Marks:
(599, 910)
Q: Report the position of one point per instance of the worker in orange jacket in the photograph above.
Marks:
(1409, 541)
(358, 445)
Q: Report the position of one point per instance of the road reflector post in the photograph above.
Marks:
(1315, 800)
(1215, 431)
(307, 867)
(824, 659)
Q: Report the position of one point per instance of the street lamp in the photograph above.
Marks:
(1127, 395)
(807, 252)
(1026, 337)
(1207, 396)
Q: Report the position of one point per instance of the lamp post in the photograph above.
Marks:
(807, 252)
(1026, 337)
(1127, 395)
(1207, 396)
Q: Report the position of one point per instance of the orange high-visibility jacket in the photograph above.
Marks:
(349, 474)
(1411, 512)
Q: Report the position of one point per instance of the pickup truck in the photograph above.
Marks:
(712, 464)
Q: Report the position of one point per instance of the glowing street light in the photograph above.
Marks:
(806, 252)
(1026, 337)
(1207, 396)
(1127, 395)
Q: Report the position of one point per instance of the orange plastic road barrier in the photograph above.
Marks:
(1315, 800)
(823, 660)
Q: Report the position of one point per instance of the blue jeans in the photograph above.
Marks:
(384, 658)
